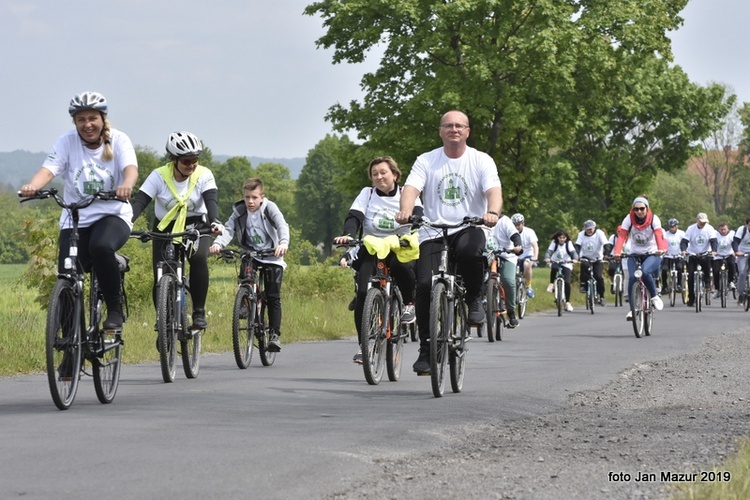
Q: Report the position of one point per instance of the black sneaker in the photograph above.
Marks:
(476, 312)
(353, 303)
(114, 320)
(274, 343)
(199, 319)
(512, 320)
(602, 301)
(65, 370)
(358, 357)
(582, 288)
(422, 365)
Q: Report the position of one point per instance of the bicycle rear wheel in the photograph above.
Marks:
(63, 346)
(395, 344)
(372, 337)
(636, 308)
(190, 339)
(243, 318)
(267, 357)
(457, 347)
(107, 365)
(492, 307)
(521, 297)
(166, 325)
(439, 331)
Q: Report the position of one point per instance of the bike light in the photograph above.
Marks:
(638, 273)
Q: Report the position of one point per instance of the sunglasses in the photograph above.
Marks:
(639, 209)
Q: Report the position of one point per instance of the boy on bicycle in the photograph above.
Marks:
(260, 225)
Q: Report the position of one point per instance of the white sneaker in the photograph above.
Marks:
(629, 317)
(657, 303)
(569, 307)
(550, 288)
(732, 286)
(408, 315)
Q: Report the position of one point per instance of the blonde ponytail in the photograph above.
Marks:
(108, 153)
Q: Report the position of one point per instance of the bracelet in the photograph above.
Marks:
(493, 213)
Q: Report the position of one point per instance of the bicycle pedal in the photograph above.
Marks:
(423, 374)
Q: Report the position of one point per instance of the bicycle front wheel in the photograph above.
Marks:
(243, 317)
(63, 344)
(560, 295)
(395, 345)
(492, 307)
(167, 325)
(372, 336)
(263, 335)
(591, 296)
(457, 347)
(521, 297)
(190, 339)
(723, 289)
(439, 331)
(672, 289)
(107, 365)
(636, 308)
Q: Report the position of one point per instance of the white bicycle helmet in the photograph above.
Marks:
(184, 144)
(87, 100)
(517, 218)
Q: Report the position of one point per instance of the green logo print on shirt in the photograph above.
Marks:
(452, 190)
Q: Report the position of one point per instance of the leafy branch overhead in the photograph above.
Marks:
(588, 82)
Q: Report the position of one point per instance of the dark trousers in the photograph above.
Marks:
(731, 263)
(97, 245)
(466, 249)
(598, 267)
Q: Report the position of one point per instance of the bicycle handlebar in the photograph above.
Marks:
(230, 253)
(43, 194)
(190, 234)
(419, 221)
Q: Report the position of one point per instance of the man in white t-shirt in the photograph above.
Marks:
(700, 238)
(530, 254)
(674, 236)
(454, 181)
(741, 247)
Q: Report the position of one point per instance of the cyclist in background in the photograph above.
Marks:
(259, 225)
(741, 247)
(724, 241)
(93, 157)
(561, 252)
(699, 238)
(643, 229)
(185, 194)
(674, 236)
(592, 243)
(504, 236)
(530, 254)
(372, 213)
(455, 181)
(613, 264)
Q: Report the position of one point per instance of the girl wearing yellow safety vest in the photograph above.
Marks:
(185, 194)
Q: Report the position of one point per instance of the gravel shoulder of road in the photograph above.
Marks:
(682, 415)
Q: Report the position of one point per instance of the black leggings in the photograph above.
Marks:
(97, 245)
(466, 247)
(198, 269)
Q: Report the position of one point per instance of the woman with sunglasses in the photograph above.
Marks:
(185, 194)
(643, 229)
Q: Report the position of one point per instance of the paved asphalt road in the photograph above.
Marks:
(310, 425)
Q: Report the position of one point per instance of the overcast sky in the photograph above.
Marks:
(243, 75)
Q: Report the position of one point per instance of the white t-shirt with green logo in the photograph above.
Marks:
(452, 188)
(379, 212)
(85, 172)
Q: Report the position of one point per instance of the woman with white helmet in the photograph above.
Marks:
(186, 196)
(94, 157)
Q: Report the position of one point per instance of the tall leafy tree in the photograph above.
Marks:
(321, 204)
(529, 73)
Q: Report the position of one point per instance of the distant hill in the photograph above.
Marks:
(18, 166)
